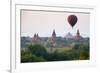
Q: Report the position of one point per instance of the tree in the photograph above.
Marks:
(27, 56)
(82, 51)
(37, 50)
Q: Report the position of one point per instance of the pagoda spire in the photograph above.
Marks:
(78, 33)
(54, 34)
(78, 36)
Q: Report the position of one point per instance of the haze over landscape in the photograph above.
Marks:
(54, 36)
(44, 23)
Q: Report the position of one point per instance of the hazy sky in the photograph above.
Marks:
(43, 23)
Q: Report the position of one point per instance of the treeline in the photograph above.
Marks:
(38, 53)
(60, 41)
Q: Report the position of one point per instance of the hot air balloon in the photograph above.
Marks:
(72, 19)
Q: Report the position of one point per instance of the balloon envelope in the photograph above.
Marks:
(72, 19)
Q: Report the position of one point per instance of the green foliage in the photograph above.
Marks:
(34, 53)
(65, 55)
(61, 56)
(26, 56)
(37, 49)
(29, 57)
(38, 53)
(82, 51)
(84, 55)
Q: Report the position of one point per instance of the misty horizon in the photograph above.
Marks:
(44, 23)
(57, 35)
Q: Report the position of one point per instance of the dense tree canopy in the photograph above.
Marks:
(38, 53)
